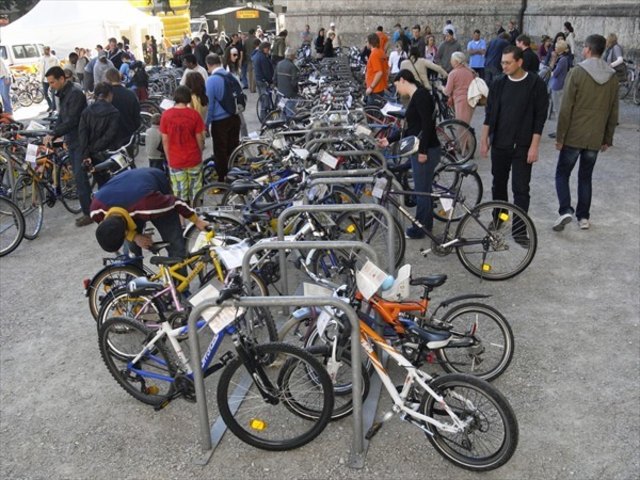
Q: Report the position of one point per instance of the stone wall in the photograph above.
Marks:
(355, 18)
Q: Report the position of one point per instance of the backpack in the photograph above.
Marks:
(234, 100)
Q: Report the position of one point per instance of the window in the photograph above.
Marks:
(28, 50)
(18, 52)
(3, 52)
(31, 50)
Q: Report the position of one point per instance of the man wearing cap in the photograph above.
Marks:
(126, 202)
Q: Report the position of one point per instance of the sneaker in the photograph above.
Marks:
(83, 221)
(562, 220)
(584, 224)
(414, 233)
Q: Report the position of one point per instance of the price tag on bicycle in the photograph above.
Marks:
(379, 187)
(369, 279)
(328, 159)
(363, 131)
(166, 104)
(254, 135)
(447, 206)
(32, 154)
(216, 317)
(301, 153)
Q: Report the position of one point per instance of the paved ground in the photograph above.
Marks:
(574, 381)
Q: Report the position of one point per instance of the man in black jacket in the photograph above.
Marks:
(127, 104)
(530, 60)
(72, 103)
(514, 118)
(98, 130)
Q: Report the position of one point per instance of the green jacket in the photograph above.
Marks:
(589, 111)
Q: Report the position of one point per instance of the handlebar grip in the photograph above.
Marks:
(228, 293)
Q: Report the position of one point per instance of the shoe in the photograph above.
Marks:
(83, 221)
(522, 240)
(584, 224)
(552, 135)
(414, 233)
(562, 220)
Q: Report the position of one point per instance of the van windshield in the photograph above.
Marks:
(25, 51)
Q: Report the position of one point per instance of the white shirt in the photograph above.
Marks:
(451, 27)
(46, 62)
(198, 69)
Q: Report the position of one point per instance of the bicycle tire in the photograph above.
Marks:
(120, 303)
(150, 107)
(471, 192)
(109, 279)
(280, 362)
(624, 87)
(67, 183)
(466, 396)
(376, 236)
(263, 106)
(457, 139)
(210, 195)
(493, 343)
(11, 226)
(28, 196)
(249, 154)
(25, 100)
(131, 336)
(501, 240)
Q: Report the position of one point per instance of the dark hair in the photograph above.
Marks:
(234, 67)
(112, 75)
(505, 36)
(264, 45)
(102, 90)
(252, 31)
(195, 82)
(558, 35)
(407, 75)
(515, 51)
(477, 31)
(73, 55)
(379, 29)
(414, 52)
(417, 27)
(596, 44)
(112, 40)
(99, 47)
(321, 30)
(256, 42)
(126, 56)
(120, 45)
(190, 58)
(111, 233)
(568, 26)
(524, 39)
(448, 31)
(182, 94)
(213, 59)
(373, 40)
(55, 72)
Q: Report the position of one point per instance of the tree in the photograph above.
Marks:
(16, 8)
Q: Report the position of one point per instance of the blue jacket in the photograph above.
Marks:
(215, 92)
(262, 67)
(493, 55)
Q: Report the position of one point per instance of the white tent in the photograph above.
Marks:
(64, 25)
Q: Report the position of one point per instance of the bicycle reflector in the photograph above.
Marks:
(503, 216)
(258, 424)
(486, 267)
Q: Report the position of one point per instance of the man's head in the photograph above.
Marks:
(523, 41)
(47, 50)
(252, 31)
(113, 43)
(290, 53)
(55, 78)
(332, 26)
(512, 24)
(373, 40)
(448, 22)
(112, 76)
(448, 35)
(379, 29)
(103, 91)
(190, 61)
(68, 74)
(102, 56)
(182, 95)
(265, 47)
(511, 60)
(213, 61)
(73, 58)
(397, 27)
(111, 233)
(99, 48)
(505, 36)
(594, 46)
(416, 31)
(476, 35)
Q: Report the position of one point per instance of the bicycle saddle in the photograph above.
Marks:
(433, 338)
(168, 261)
(236, 173)
(465, 168)
(432, 281)
(33, 133)
(301, 116)
(243, 186)
(275, 123)
(143, 286)
(397, 113)
(409, 146)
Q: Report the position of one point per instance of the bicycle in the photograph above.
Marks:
(288, 395)
(267, 102)
(11, 226)
(627, 86)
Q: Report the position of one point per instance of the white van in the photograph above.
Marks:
(21, 54)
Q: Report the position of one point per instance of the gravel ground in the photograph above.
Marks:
(573, 381)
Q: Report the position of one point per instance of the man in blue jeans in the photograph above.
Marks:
(586, 123)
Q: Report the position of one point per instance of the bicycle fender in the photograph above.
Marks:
(468, 296)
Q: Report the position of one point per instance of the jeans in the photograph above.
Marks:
(47, 96)
(168, 226)
(263, 87)
(566, 161)
(423, 182)
(243, 75)
(375, 99)
(5, 93)
(83, 188)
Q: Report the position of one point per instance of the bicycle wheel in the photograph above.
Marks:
(25, 99)
(109, 280)
(210, 195)
(253, 155)
(298, 385)
(376, 235)
(624, 88)
(67, 183)
(142, 308)
(499, 240)
(11, 226)
(150, 379)
(150, 107)
(444, 181)
(263, 106)
(28, 196)
(636, 91)
(482, 344)
(457, 139)
(490, 434)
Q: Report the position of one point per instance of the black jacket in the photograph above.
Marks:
(72, 103)
(530, 61)
(98, 128)
(127, 104)
(533, 117)
(201, 52)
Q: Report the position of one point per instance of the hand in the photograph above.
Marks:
(201, 224)
(559, 146)
(532, 154)
(422, 158)
(368, 91)
(143, 241)
(484, 149)
(604, 147)
(383, 143)
(47, 139)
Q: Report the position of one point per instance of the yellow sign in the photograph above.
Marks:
(244, 14)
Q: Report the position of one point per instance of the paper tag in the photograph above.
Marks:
(317, 191)
(369, 279)
(332, 368)
(297, 203)
(279, 143)
(302, 153)
(363, 131)
(328, 159)
(378, 187)
(282, 103)
(33, 125)
(447, 205)
(32, 153)
(166, 104)
(216, 317)
(312, 169)
(232, 255)
(323, 321)
(254, 135)
(313, 290)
